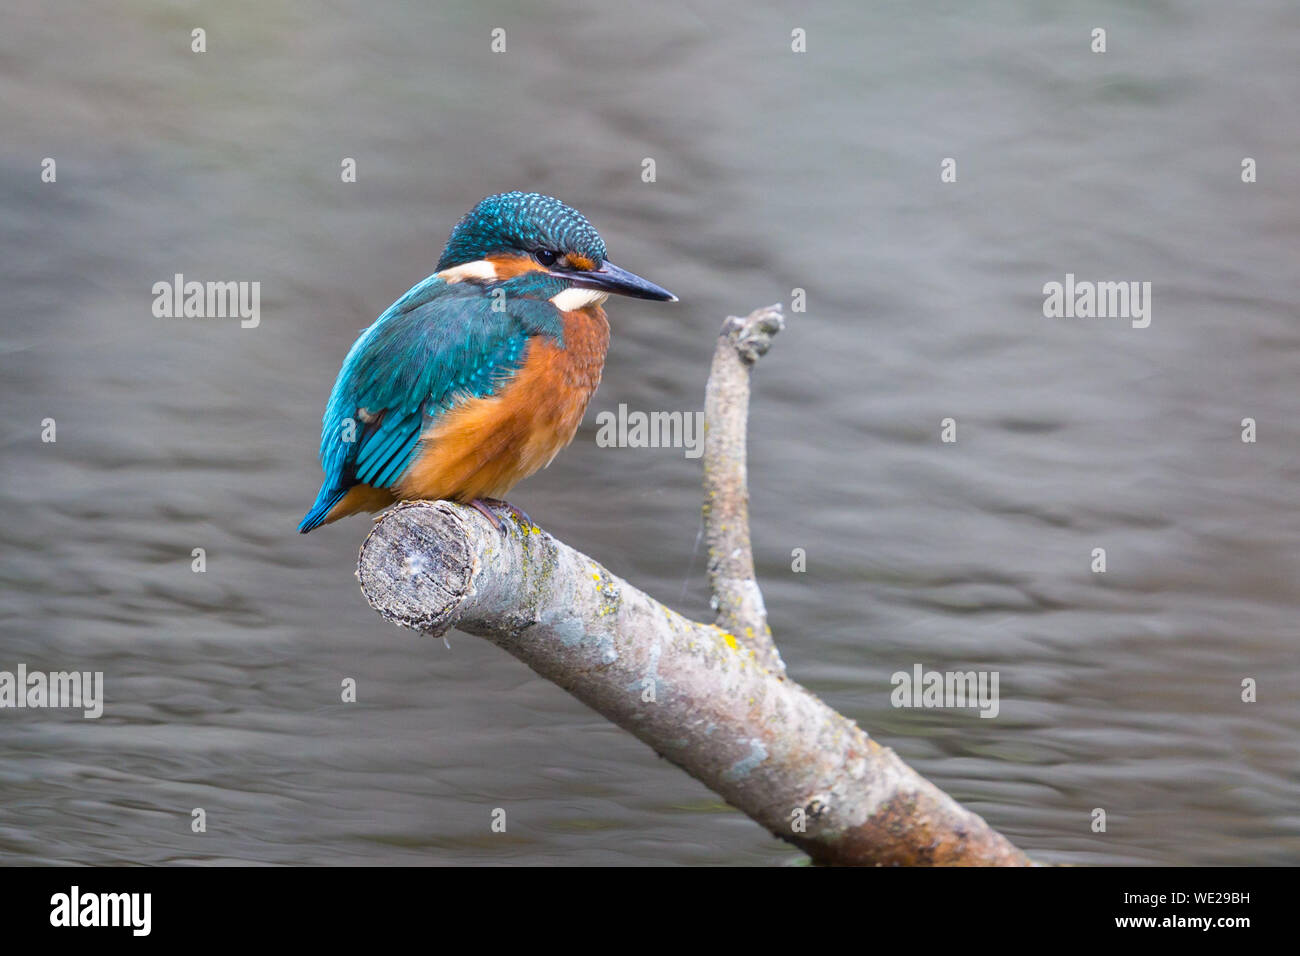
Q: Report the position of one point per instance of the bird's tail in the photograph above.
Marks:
(325, 502)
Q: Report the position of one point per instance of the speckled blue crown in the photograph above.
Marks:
(520, 221)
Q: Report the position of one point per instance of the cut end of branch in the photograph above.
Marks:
(752, 335)
(416, 565)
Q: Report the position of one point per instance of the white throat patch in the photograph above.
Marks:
(575, 298)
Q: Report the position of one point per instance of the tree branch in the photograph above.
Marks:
(714, 700)
(736, 597)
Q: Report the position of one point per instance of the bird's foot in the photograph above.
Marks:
(481, 506)
(484, 507)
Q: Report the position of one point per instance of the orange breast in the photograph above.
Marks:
(485, 446)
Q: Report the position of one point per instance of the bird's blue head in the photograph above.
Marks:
(512, 233)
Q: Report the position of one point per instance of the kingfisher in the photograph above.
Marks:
(479, 375)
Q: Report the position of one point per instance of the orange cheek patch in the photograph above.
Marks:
(580, 262)
(508, 267)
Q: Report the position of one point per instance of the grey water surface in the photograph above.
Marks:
(775, 170)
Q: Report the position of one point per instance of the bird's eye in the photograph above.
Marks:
(545, 256)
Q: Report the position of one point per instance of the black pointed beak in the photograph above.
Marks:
(610, 278)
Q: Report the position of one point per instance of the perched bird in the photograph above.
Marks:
(480, 374)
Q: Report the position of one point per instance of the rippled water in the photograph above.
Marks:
(774, 171)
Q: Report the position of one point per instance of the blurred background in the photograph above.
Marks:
(775, 170)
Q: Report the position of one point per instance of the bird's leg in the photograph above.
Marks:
(520, 514)
(481, 506)
(484, 505)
